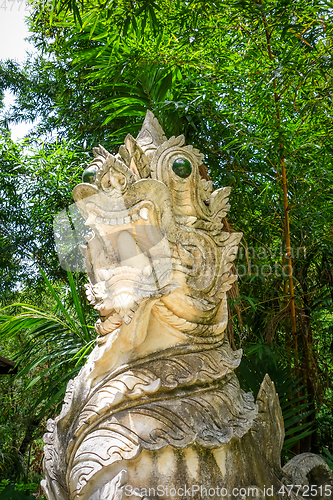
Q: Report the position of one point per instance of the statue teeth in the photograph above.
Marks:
(147, 270)
(135, 217)
(144, 213)
(127, 219)
(129, 252)
(120, 221)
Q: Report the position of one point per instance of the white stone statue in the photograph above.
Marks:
(157, 410)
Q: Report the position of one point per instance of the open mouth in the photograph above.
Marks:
(129, 259)
(143, 211)
(127, 239)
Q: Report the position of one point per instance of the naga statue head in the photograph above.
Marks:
(157, 258)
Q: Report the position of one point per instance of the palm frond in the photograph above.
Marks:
(328, 457)
(56, 343)
(294, 405)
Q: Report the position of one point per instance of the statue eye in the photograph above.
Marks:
(89, 175)
(182, 167)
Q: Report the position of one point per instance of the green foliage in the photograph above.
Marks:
(58, 343)
(54, 345)
(35, 186)
(249, 84)
(17, 491)
(328, 457)
(294, 403)
(325, 428)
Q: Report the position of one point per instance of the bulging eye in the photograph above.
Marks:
(89, 175)
(182, 167)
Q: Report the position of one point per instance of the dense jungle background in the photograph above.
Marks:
(249, 83)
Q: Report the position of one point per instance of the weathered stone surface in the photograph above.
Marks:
(268, 429)
(308, 469)
(157, 410)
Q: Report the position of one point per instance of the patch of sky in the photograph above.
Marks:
(14, 45)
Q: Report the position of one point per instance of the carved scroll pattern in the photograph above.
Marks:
(158, 376)
(208, 417)
(180, 399)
